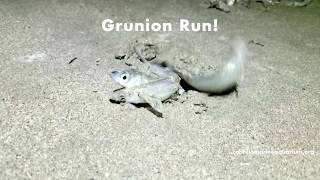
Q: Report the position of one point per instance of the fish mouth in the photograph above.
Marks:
(114, 73)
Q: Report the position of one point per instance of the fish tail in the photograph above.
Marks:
(239, 58)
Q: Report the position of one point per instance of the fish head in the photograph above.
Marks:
(123, 76)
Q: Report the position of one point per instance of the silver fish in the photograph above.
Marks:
(152, 93)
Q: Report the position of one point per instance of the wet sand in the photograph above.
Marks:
(57, 121)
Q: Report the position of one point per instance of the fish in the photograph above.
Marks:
(152, 93)
(151, 87)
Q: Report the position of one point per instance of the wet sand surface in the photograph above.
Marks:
(56, 121)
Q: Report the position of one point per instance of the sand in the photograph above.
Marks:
(56, 120)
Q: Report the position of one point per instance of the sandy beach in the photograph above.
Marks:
(56, 120)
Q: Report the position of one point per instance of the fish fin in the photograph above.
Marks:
(155, 103)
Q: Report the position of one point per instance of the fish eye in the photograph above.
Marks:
(124, 77)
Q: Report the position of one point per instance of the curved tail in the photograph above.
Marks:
(224, 80)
